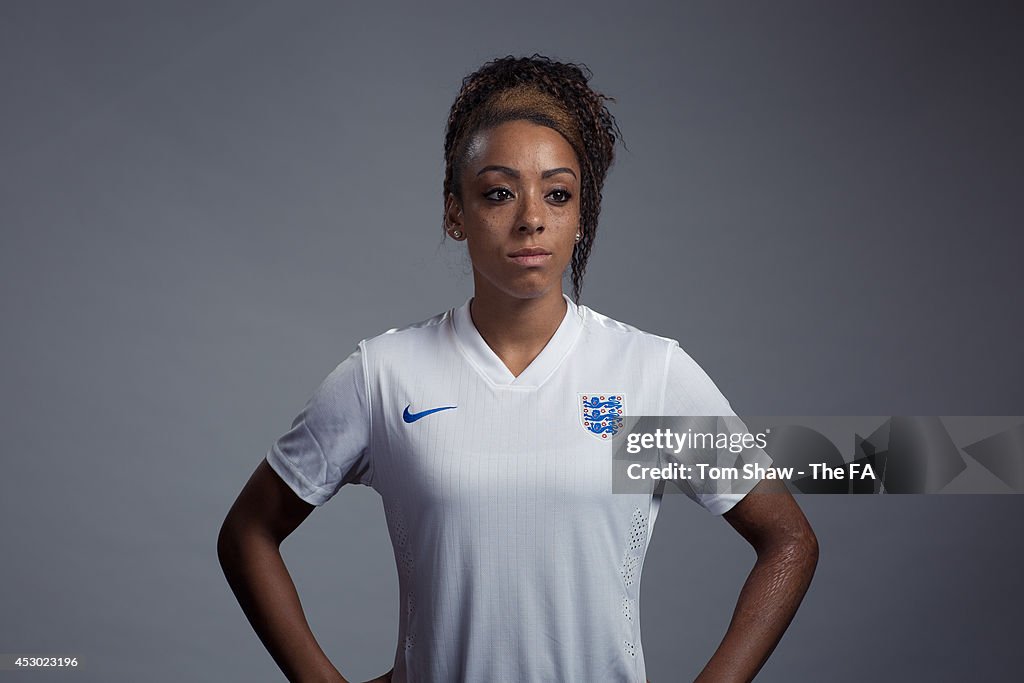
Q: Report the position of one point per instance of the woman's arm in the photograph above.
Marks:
(787, 553)
(248, 548)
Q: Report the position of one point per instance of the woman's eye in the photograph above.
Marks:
(496, 191)
(501, 194)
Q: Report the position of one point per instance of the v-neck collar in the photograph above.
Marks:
(491, 366)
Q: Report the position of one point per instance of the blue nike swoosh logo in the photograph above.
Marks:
(412, 417)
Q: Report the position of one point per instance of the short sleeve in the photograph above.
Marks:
(328, 443)
(689, 392)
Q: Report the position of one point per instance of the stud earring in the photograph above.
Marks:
(456, 234)
(579, 237)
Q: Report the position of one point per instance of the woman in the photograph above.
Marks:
(477, 427)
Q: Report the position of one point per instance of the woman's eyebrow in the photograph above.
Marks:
(515, 174)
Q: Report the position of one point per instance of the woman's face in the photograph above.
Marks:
(520, 208)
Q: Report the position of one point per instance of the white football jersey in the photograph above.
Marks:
(516, 562)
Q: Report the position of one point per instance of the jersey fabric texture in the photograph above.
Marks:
(516, 562)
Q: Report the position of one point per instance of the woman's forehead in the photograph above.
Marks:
(519, 142)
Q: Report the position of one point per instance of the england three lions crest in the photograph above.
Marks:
(601, 414)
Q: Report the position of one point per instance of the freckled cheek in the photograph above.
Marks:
(566, 259)
(485, 248)
(493, 236)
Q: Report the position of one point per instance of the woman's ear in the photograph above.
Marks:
(453, 218)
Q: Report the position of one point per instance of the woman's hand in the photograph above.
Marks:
(383, 678)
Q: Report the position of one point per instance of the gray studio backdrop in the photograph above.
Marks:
(205, 206)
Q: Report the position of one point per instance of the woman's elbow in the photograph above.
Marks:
(809, 548)
(798, 548)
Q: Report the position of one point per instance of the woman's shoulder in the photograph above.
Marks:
(415, 332)
(618, 331)
(624, 343)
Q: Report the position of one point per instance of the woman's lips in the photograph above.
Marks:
(531, 259)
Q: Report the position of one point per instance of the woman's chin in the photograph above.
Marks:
(533, 290)
(522, 286)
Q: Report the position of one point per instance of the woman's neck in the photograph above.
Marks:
(517, 330)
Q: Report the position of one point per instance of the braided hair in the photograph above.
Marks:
(548, 93)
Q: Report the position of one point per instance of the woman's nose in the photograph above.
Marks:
(531, 219)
